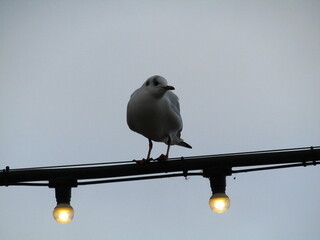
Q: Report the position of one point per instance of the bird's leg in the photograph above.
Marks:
(163, 157)
(168, 148)
(148, 156)
(150, 147)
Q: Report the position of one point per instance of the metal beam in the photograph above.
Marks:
(304, 156)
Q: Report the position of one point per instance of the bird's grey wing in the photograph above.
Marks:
(176, 108)
(131, 110)
(174, 100)
(135, 92)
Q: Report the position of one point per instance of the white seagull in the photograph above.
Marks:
(154, 112)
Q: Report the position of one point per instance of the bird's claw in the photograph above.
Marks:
(143, 161)
(162, 158)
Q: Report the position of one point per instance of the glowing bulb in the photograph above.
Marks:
(63, 213)
(219, 202)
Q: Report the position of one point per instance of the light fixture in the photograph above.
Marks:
(63, 213)
(219, 202)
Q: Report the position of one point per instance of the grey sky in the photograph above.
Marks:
(248, 78)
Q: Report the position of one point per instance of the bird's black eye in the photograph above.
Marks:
(147, 83)
(155, 82)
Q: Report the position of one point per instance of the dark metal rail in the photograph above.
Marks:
(274, 159)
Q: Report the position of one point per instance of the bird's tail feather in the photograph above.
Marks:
(184, 144)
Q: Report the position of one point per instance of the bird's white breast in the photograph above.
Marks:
(151, 117)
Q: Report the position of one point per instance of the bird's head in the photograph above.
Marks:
(157, 85)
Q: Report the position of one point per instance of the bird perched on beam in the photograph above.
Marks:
(154, 112)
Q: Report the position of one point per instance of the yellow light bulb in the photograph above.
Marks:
(63, 213)
(219, 202)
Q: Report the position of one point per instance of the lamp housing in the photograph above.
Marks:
(219, 202)
(63, 212)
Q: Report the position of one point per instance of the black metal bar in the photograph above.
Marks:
(138, 178)
(276, 167)
(302, 155)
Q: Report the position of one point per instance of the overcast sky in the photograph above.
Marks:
(248, 78)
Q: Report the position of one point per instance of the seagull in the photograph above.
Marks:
(154, 112)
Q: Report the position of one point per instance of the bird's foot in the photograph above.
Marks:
(162, 158)
(143, 161)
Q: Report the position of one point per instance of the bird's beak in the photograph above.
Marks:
(168, 88)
